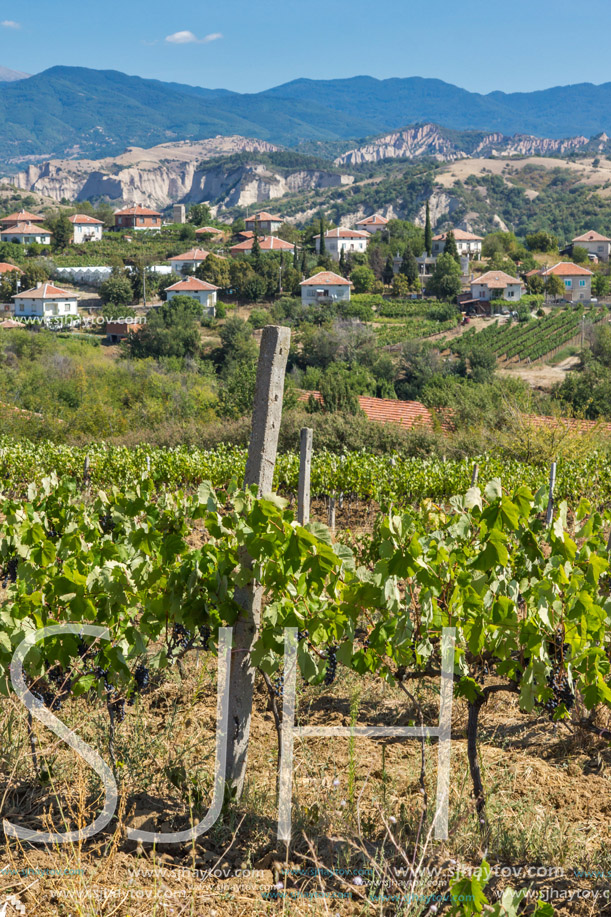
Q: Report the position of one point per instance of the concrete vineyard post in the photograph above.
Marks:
(305, 470)
(550, 500)
(260, 465)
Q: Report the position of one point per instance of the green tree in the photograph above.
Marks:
(323, 244)
(409, 266)
(363, 279)
(199, 215)
(337, 390)
(63, 232)
(343, 266)
(554, 287)
(400, 285)
(535, 284)
(450, 247)
(389, 271)
(255, 255)
(542, 241)
(216, 271)
(428, 232)
(600, 285)
(482, 363)
(33, 273)
(186, 233)
(117, 289)
(579, 254)
(446, 282)
(173, 330)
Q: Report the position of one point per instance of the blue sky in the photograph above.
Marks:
(250, 45)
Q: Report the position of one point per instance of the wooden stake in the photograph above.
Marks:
(86, 475)
(305, 468)
(266, 417)
(550, 501)
(475, 475)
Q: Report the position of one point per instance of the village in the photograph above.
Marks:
(475, 284)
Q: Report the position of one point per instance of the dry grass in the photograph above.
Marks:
(358, 805)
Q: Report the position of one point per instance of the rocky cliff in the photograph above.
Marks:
(172, 173)
(448, 146)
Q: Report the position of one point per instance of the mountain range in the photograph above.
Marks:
(74, 112)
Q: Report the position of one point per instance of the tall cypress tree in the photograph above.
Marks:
(409, 266)
(256, 251)
(389, 271)
(451, 248)
(428, 232)
(343, 267)
(323, 244)
(304, 263)
(296, 258)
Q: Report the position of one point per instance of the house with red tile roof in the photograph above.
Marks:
(137, 217)
(6, 268)
(374, 223)
(267, 244)
(204, 293)
(467, 243)
(594, 244)
(496, 285)
(325, 287)
(86, 228)
(343, 240)
(26, 234)
(212, 231)
(191, 260)
(577, 280)
(22, 216)
(46, 301)
(264, 222)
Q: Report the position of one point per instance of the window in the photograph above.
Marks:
(141, 219)
(582, 283)
(568, 283)
(21, 307)
(601, 248)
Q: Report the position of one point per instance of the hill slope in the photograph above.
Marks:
(71, 111)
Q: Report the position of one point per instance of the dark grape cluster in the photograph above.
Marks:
(107, 524)
(10, 571)
(53, 534)
(141, 677)
(181, 637)
(302, 635)
(331, 665)
(562, 692)
(278, 685)
(117, 706)
(204, 635)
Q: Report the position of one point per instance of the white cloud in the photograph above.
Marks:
(10, 24)
(189, 38)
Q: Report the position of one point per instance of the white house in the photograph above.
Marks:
(265, 223)
(372, 224)
(343, 240)
(189, 261)
(204, 293)
(86, 228)
(496, 285)
(325, 286)
(45, 301)
(467, 243)
(594, 244)
(26, 234)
